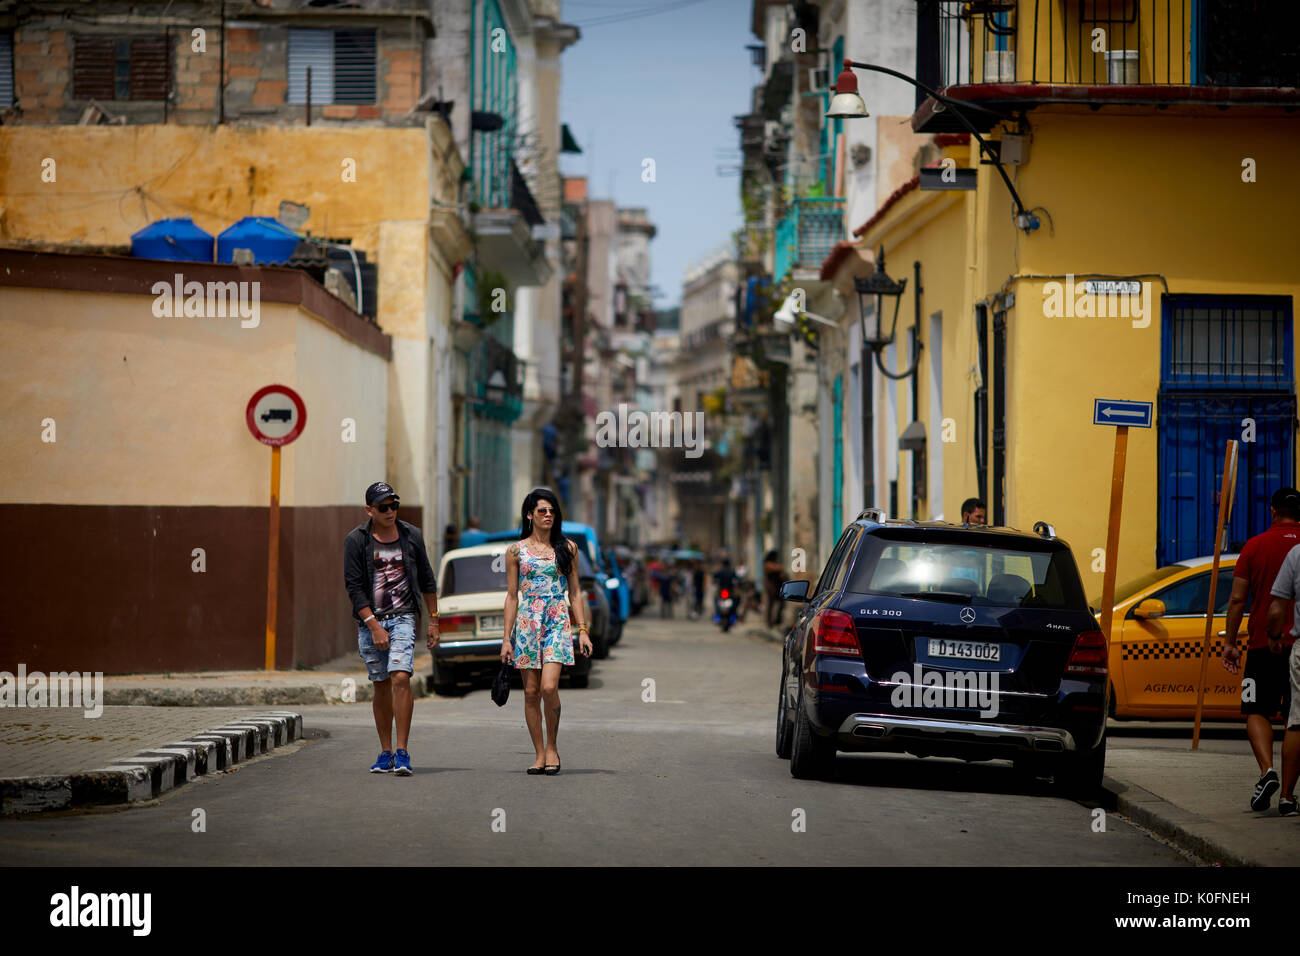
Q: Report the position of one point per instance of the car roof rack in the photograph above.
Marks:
(1044, 530)
(872, 514)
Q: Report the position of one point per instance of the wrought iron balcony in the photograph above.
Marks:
(805, 237)
(1108, 50)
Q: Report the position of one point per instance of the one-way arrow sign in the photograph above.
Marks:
(1116, 411)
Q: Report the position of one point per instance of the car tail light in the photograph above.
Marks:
(1089, 654)
(591, 595)
(455, 622)
(724, 594)
(833, 633)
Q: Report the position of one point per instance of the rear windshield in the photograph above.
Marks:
(960, 572)
(473, 573)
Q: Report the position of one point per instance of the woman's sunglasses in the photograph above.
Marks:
(391, 506)
(543, 511)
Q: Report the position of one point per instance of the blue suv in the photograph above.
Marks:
(949, 640)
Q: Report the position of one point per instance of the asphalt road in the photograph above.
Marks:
(688, 780)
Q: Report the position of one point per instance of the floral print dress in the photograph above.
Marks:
(542, 633)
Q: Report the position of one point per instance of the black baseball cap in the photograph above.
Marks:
(1286, 498)
(379, 491)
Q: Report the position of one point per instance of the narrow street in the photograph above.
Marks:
(690, 779)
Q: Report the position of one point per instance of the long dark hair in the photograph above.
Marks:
(563, 556)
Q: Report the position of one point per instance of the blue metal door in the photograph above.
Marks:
(1227, 372)
(1194, 432)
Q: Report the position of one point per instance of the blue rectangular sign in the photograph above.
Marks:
(1116, 411)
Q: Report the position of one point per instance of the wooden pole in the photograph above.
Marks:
(1112, 530)
(273, 560)
(1225, 508)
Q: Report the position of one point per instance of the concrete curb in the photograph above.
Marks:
(248, 695)
(151, 773)
(1184, 829)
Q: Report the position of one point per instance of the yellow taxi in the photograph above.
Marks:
(1155, 643)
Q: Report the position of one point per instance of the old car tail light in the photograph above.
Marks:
(833, 633)
(724, 594)
(1089, 654)
(591, 595)
(455, 622)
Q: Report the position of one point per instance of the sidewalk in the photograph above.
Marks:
(157, 731)
(1197, 800)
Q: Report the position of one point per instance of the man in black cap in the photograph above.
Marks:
(1266, 683)
(385, 567)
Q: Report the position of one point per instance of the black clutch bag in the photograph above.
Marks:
(501, 686)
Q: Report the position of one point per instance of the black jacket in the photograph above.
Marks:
(359, 566)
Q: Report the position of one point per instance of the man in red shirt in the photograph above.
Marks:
(1266, 682)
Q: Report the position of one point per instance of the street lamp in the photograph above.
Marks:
(847, 104)
(878, 286)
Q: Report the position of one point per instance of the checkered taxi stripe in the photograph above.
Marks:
(1168, 650)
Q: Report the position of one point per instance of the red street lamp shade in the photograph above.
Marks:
(846, 103)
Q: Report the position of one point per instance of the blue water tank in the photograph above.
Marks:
(268, 238)
(176, 239)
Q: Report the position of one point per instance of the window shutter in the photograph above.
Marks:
(6, 70)
(149, 68)
(92, 68)
(354, 66)
(315, 49)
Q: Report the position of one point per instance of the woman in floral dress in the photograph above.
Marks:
(541, 589)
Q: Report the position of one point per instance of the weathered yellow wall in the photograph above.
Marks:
(150, 411)
(113, 181)
(1126, 195)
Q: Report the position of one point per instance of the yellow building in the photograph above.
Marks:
(1157, 264)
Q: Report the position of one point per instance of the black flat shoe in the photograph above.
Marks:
(532, 771)
(551, 769)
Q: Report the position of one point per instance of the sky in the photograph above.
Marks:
(665, 86)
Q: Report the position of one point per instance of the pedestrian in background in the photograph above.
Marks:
(542, 591)
(385, 567)
(666, 591)
(773, 578)
(1266, 682)
(974, 511)
(697, 585)
(1284, 626)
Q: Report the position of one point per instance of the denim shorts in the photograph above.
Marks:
(400, 655)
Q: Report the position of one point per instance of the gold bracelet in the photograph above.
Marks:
(583, 627)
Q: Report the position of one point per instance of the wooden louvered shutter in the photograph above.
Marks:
(150, 73)
(92, 68)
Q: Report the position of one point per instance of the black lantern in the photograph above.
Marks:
(880, 286)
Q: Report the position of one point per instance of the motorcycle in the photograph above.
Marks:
(724, 609)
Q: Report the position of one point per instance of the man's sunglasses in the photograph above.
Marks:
(391, 506)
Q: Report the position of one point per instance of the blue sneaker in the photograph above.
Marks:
(402, 764)
(384, 764)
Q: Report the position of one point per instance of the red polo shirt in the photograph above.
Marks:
(1258, 563)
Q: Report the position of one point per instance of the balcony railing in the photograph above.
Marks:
(807, 234)
(1109, 42)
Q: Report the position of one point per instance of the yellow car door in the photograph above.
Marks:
(1161, 655)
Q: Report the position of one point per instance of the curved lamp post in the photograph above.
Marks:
(847, 104)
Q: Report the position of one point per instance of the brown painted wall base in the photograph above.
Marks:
(113, 589)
